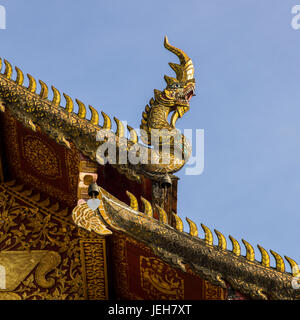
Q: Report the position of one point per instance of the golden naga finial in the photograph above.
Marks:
(184, 71)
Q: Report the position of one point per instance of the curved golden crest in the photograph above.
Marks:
(133, 135)
(20, 76)
(56, 97)
(133, 201)
(250, 254)
(148, 208)
(81, 109)
(162, 215)
(221, 240)
(32, 83)
(44, 90)
(193, 227)
(265, 258)
(279, 261)
(208, 234)
(107, 121)
(95, 116)
(294, 266)
(8, 69)
(120, 128)
(178, 222)
(69, 103)
(236, 249)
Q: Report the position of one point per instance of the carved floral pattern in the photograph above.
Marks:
(41, 157)
(159, 280)
(69, 158)
(24, 226)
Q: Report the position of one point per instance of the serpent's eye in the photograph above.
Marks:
(175, 85)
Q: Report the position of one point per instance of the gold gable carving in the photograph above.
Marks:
(18, 265)
(53, 168)
(41, 157)
(44, 254)
(159, 280)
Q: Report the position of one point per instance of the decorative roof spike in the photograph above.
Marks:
(148, 208)
(107, 121)
(133, 201)
(0, 64)
(221, 240)
(208, 235)
(236, 249)
(193, 227)
(120, 128)
(44, 90)
(56, 97)
(279, 261)
(95, 116)
(20, 77)
(250, 255)
(8, 69)
(69, 103)
(178, 221)
(294, 266)
(147, 108)
(162, 215)
(133, 135)
(32, 83)
(81, 109)
(265, 258)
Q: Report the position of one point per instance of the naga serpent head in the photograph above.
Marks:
(179, 90)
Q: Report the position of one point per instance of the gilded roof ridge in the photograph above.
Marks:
(64, 125)
(222, 243)
(69, 107)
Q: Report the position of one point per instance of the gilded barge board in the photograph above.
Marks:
(211, 263)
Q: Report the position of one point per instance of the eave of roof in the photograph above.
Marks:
(212, 262)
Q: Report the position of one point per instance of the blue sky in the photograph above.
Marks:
(110, 54)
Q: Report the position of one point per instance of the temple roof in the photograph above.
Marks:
(214, 262)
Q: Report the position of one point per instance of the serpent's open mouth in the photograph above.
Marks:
(189, 93)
